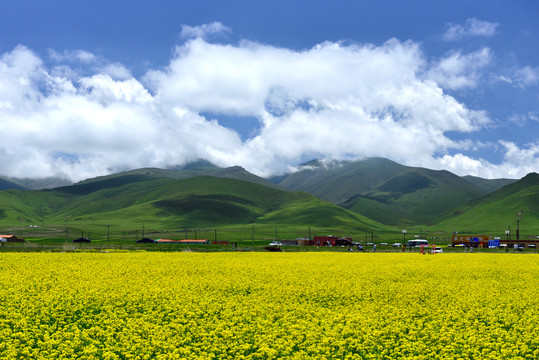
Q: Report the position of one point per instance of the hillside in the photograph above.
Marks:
(131, 199)
(489, 185)
(373, 188)
(499, 210)
(189, 170)
(383, 190)
(337, 181)
(6, 184)
(192, 170)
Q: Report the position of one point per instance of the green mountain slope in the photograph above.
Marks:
(383, 190)
(25, 207)
(489, 185)
(40, 183)
(499, 210)
(191, 170)
(337, 181)
(196, 168)
(131, 199)
(6, 184)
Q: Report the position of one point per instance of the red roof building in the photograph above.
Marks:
(11, 238)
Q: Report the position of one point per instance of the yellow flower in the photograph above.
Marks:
(268, 306)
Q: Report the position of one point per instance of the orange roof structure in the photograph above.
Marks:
(11, 238)
(184, 241)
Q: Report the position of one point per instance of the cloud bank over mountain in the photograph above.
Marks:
(76, 115)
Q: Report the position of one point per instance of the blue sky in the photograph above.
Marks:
(94, 87)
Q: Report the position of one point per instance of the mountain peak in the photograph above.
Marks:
(533, 176)
(200, 164)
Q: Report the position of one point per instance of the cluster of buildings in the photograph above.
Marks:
(488, 241)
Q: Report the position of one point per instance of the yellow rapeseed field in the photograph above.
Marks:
(269, 305)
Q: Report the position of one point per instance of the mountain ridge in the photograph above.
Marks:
(196, 201)
(376, 188)
(384, 190)
(499, 209)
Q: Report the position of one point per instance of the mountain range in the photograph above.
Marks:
(169, 199)
(372, 193)
(386, 191)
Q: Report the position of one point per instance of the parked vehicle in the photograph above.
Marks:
(417, 243)
(343, 242)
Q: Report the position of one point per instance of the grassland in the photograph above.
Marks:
(499, 210)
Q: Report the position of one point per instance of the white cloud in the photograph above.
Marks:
(458, 70)
(517, 163)
(471, 27)
(334, 101)
(462, 164)
(331, 100)
(75, 55)
(116, 71)
(102, 89)
(21, 71)
(91, 63)
(204, 31)
(87, 126)
(527, 76)
(523, 119)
